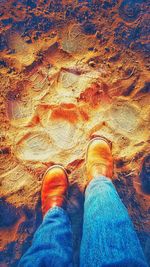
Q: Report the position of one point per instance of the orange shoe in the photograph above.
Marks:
(54, 188)
(99, 159)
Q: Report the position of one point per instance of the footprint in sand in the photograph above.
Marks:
(17, 176)
(124, 117)
(74, 41)
(36, 146)
(19, 113)
(64, 134)
(62, 125)
(71, 83)
(40, 84)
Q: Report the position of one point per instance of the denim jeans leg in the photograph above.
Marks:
(108, 237)
(52, 242)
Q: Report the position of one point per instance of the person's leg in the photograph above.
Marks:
(52, 243)
(108, 237)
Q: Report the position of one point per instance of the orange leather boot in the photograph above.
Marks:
(54, 188)
(99, 159)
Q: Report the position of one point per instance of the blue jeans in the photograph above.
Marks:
(108, 235)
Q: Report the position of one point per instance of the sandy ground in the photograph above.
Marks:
(70, 71)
